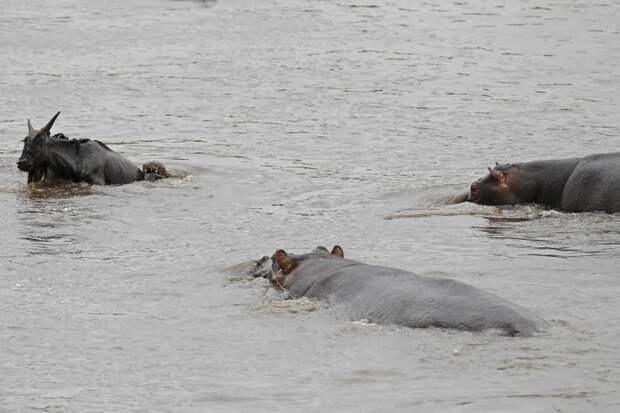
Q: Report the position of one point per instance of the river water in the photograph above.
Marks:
(302, 123)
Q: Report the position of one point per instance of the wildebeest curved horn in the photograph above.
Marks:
(30, 128)
(50, 123)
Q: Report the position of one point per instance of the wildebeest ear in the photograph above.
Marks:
(30, 128)
(286, 263)
(50, 123)
(337, 251)
(499, 176)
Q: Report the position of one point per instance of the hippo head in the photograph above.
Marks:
(33, 155)
(499, 187)
(282, 264)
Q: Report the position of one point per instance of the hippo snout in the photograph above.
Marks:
(263, 268)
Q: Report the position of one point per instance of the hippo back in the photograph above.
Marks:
(391, 296)
(594, 185)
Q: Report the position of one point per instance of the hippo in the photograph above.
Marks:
(56, 158)
(391, 296)
(588, 184)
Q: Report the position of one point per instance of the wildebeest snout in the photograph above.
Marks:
(24, 164)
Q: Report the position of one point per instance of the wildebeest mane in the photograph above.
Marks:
(62, 139)
(104, 146)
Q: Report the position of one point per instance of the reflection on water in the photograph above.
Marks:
(51, 219)
(49, 190)
(556, 234)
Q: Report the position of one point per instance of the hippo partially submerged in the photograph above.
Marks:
(587, 184)
(57, 158)
(387, 295)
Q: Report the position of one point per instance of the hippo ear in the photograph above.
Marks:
(337, 251)
(320, 250)
(499, 176)
(30, 128)
(50, 123)
(286, 263)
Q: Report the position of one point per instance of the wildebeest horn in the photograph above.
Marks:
(30, 128)
(50, 123)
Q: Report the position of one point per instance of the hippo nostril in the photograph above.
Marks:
(474, 191)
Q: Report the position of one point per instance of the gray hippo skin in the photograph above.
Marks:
(387, 295)
(587, 184)
(59, 159)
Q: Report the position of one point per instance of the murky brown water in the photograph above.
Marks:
(302, 123)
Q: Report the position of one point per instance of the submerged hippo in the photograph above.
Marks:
(591, 183)
(387, 295)
(58, 158)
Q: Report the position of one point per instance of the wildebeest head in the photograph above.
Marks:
(499, 187)
(34, 152)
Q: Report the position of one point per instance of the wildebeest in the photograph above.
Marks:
(587, 184)
(385, 295)
(60, 159)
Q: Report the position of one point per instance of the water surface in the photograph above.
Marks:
(302, 123)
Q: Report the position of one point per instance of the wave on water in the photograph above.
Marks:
(497, 213)
(452, 201)
(289, 305)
